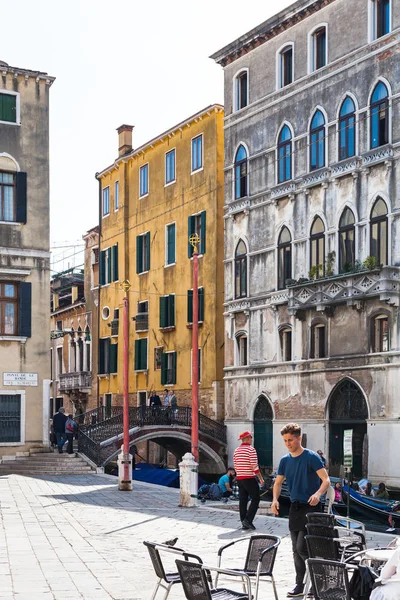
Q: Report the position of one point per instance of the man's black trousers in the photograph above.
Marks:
(248, 488)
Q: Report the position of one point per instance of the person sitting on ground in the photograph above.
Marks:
(382, 492)
(225, 483)
(322, 457)
(390, 578)
(338, 492)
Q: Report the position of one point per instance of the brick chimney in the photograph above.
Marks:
(124, 139)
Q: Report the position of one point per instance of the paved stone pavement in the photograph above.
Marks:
(70, 537)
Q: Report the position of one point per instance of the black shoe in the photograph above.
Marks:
(249, 525)
(245, 526)
(297, 591)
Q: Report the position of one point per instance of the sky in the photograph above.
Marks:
(127, 61)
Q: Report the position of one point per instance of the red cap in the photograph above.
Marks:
(245, 434)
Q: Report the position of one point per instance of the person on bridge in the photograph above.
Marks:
(59, 421)
(307, 480)
(245, 461)
(154, 403)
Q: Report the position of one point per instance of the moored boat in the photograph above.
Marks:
(385, 511)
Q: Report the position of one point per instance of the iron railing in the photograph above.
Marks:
(103, 431)
(142, 322)
(81, 380)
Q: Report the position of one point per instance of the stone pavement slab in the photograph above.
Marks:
(78, 537)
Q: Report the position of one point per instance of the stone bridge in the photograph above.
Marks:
(100, 434)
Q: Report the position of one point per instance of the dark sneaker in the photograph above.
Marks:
(297, 591)
(245, 525)
(249, 525)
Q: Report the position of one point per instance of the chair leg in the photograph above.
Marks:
(156, 589)
(274, 586)
(168, 590)
(307, 583)
(256, 588)
(243, 584)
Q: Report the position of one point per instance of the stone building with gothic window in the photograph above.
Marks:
(312, 232)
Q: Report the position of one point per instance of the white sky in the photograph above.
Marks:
(129, 61)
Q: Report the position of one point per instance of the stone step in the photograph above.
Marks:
(27, 469)
(45, 472)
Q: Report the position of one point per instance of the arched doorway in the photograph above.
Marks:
(348, 410)
(263, 416)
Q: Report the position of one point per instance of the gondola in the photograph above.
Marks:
(373, 508)
(285, 496)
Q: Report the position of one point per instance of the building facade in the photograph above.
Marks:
(151, 200)
(74, 325)
(312, 231)
(24, 258)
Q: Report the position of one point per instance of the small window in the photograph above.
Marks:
(167, 311)
(379, 232)
(116, 195)
(284, 155)
(197, 153)
(317, 141)
(200, 305)
(8, 309)
(142, 316)
(141, 354)
(8, 108)
(157, 358)
(197, 224)
(286, 344)
(106, 201)
(242, 357)
(380, 14)
(168, 368)
(144, 180)
(59, 325)
(59, 364)
(240, 169)
(170, 244)
(285, 67)
(284, 258)
(241, 270)
(380, 334)
(317, 246)
(318, 341)
(241, 90)
(143, 253)
(7, 196)
(379, 116)
(347, 132)
(346, 241)
(319, 49)
(170, 167)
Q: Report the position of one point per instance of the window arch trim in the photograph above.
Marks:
(241, 271)
(311, 51)
(241, 173)
(284, 258)
(319, 129)
(388, 101)
(236, 97)
(284, 170)
(280, 67)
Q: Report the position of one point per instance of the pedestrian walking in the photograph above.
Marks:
(59, 421)
(245, 462)
(70, 430)
(307, 480)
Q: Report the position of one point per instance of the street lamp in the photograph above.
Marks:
(124, 458)
(194, 241)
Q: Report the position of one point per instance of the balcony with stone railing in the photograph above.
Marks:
(347, 288)
(76, 382)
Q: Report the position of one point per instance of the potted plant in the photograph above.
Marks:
(330, 263)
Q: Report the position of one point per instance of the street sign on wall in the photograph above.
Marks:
(20, 379)
(348, 448)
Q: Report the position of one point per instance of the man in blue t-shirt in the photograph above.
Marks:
(225, 483)
(307, 480)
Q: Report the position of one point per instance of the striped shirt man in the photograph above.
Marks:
(246, 466)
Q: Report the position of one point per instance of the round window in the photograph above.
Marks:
(105, 313)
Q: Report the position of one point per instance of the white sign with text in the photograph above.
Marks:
(20, 379)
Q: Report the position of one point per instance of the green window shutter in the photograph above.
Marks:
(171, 258)
(114, 358)
(173, 367)
(171, 310)
(101, 357)
(104, 356)
(102, 267)
(191, 222)
(203, 233)
(8, 108)
(139, 254)
(164, 366)
(199, 355)
(109, 265)
(137, 355)
(143, 355)
(190, 306)
(201, 304)
(163, 311)
(147, 251)
(20, 192)
(25, 309)
(114, 261)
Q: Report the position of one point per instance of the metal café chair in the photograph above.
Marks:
(166, 579)
(329, 579)
(334, 520)
(197, 582)
(259, 561)
(350, 541)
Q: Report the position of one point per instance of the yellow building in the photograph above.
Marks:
(151, 200)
